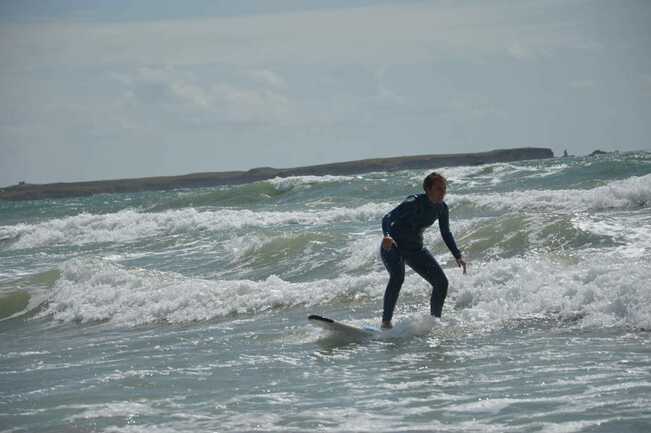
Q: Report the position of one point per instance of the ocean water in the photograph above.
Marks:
(185, 310)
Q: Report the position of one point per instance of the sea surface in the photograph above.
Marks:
(186, 310)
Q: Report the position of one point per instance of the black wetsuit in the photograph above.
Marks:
(406, 224)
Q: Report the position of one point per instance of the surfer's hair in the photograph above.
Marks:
(431, 178)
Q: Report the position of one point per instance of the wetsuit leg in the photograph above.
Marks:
(426, 266)
(395, 264)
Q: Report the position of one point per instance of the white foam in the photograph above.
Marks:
(631, 193)
(287, 183)
(129, 225)
(151, 428)
(119, 409)
(96, 290)
(490, 405)
(362, 252)
(415, 325)
(23, 354)
(632, 230)
(601, 290)
(491, 174)
(570, 426)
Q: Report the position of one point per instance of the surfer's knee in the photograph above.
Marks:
(438, 280)
(440, 286)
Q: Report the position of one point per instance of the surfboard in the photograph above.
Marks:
(343, 328)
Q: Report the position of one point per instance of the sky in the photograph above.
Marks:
(100, 89)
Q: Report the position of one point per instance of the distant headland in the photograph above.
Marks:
(27, 191)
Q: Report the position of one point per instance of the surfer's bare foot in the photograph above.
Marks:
(386, 324)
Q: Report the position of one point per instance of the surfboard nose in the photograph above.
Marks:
(321, 318)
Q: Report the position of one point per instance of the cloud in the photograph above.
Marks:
(521, 52)
(268, 78)
(259, 97)
(253, 105)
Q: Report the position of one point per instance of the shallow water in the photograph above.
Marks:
(186, 310)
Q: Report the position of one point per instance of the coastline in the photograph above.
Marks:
(195, 180)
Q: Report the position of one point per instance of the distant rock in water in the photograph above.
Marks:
(75, 189)
(598, 152)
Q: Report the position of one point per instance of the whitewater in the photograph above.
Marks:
(186, 310)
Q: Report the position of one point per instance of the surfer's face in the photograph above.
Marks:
(437, 192)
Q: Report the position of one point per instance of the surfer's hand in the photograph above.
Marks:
(461, 263)
(388, 243)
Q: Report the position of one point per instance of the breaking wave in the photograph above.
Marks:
(631, 193)
(129, 225)
(596, 292)
(98, 290)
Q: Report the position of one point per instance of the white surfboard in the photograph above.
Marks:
(414, 326)
(343, 328)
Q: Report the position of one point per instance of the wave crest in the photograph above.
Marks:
(129, 225)
(599, 292)
(631, 193)
(97, 290)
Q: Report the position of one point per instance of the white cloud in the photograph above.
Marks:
(259, 100)
(519, 51)
(192, 94)
(269, 78)
(251, 105)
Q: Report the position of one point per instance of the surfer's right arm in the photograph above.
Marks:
(403, 210)
(388, 242)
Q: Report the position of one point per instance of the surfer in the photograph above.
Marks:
(403, 229)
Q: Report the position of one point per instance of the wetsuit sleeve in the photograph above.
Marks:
(444, 225)
(404, 211)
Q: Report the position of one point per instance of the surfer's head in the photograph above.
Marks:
(435, 186)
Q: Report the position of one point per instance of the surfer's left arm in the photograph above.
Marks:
(446, 234)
